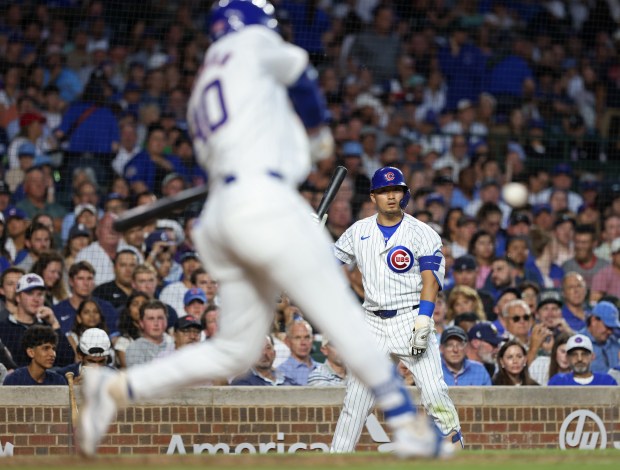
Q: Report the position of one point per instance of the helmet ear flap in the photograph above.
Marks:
(405, 200)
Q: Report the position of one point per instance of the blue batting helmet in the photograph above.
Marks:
(229, 16)
(390, 176)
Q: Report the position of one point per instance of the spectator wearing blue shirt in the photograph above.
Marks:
(580, 357)
(300, 363)
(30, 299)
(575, 292)
(599, 329)
(147, 170)
(39, 343)
(90, 131)
(507, 77)
(457, 368)
(263, 373)
(462, 64)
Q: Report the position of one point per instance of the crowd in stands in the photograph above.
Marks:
(462, 95)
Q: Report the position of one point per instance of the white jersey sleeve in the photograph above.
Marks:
(285, 61)
(343, 248)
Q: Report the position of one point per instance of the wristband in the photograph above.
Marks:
(426, 308)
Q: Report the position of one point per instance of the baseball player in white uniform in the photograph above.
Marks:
(253, 98)
(402, 270)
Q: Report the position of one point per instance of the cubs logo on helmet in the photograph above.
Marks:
(390, 176)
(400, 259)
(229, 16)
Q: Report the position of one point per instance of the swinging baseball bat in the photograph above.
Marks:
(338, 177)
(160, 208)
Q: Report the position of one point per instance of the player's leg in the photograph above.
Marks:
(247, 312)
(428, 375)
(358, 402)
(299, 261)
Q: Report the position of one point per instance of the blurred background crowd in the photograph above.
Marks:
(463, 96)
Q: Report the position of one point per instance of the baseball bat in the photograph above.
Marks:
(332, 189)
(160, 208)
(73, 403)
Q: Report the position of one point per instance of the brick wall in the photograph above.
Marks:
(35, 420)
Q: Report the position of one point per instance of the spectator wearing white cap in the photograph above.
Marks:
(94, 350)
(580, 356)
(30, 299)
(600, 325)
(607, 280)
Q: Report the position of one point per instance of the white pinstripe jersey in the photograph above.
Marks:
(390, 271)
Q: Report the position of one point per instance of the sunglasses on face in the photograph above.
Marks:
(518, 318)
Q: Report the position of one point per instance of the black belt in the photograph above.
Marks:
(390, 313)
(232, 178)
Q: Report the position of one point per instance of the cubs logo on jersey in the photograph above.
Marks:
(400, 259)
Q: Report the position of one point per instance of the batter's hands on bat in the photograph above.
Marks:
(321, 144)
(423, 327)
(320, 222)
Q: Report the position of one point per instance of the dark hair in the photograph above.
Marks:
(446, 232)
(126, 326)
(486, 209)
(35, 227)
(79, 328)
(474, 239)
(203, 317)
(560, 339)
(46, 258)
(38, 335)
(194, 276)
(502, 377)
(12, 269)
(585, 229)
(153, 304)
(81, 266)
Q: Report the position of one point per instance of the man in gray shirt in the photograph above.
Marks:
(154, 340)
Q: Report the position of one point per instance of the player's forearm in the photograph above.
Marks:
(430, 287)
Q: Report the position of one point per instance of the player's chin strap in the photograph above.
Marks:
(458, 437)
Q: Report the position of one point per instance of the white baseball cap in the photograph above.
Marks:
(95, 342)
(84, 207)
(29, 282)
(579, 341)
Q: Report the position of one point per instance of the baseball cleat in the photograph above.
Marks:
(420, 438)
(99, 407)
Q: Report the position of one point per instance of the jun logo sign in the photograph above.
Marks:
(588, 432)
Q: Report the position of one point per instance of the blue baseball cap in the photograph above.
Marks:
(27, 149)
(15, 213)
(352, 149)
(562, 169)
(434, 197)
(156, 236)
(485, 331)
(540, 208)
(195, 293)
(42, 160)
(608, 313)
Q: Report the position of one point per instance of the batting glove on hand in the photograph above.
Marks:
(320, 222)
(423, 327)
(321, 144)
